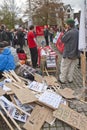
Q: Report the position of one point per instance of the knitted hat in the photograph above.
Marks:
(4, 44)
(70, 21)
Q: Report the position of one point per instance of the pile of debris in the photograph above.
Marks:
(34, 102)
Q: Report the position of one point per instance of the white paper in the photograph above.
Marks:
(38, 87)
(50, 98)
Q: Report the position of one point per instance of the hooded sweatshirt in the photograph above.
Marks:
(6, 60)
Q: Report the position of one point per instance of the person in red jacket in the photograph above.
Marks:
(32, 46)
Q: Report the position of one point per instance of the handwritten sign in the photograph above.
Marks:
(37, 118)
(71, 117)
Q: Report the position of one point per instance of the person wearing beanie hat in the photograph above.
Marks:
(70, 54)
(70, 21)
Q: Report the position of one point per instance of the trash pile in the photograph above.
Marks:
(34, 101)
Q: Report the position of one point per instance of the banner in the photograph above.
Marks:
(83, 28)
(39, 30)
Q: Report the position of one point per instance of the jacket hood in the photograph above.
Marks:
(6, 51)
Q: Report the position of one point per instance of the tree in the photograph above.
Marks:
(46, 11)
(9, 13)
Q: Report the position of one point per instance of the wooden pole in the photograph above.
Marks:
(6, 121)
(83, 70)
(11, 118)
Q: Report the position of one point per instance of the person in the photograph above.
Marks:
(32, 46)
(46, 34)
(51, 33)
(3, 34)
(70, 54)
(21, 37)
(6, 58)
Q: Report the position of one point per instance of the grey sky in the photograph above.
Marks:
(76, 4)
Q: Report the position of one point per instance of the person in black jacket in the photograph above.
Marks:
(3, 34)
(46, 34)
(70, 53)
(21, 38)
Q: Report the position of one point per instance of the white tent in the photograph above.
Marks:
(83, 28)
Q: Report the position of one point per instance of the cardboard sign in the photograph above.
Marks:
(64, 113)
(38, 78)
(50, 119)
(25, 95)
(50, 80)
(37, 118)
(66, 93)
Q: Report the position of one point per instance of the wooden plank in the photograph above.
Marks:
(83, 68)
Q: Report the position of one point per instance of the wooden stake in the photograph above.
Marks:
(21, 110)
(6, 121)
(46, 72)
(11, 118)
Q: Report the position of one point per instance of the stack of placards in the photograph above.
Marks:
(38, 87)
(51, 99)
(9, 106)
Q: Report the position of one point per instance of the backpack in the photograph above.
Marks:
(21, 54)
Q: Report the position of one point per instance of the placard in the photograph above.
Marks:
(38, 87)
(66, 93)
(50, 80)
(37, 118)
(50, 99)
(71, 117)
(38, 78)
(25, 95)
(50, 119)
(12, 110)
